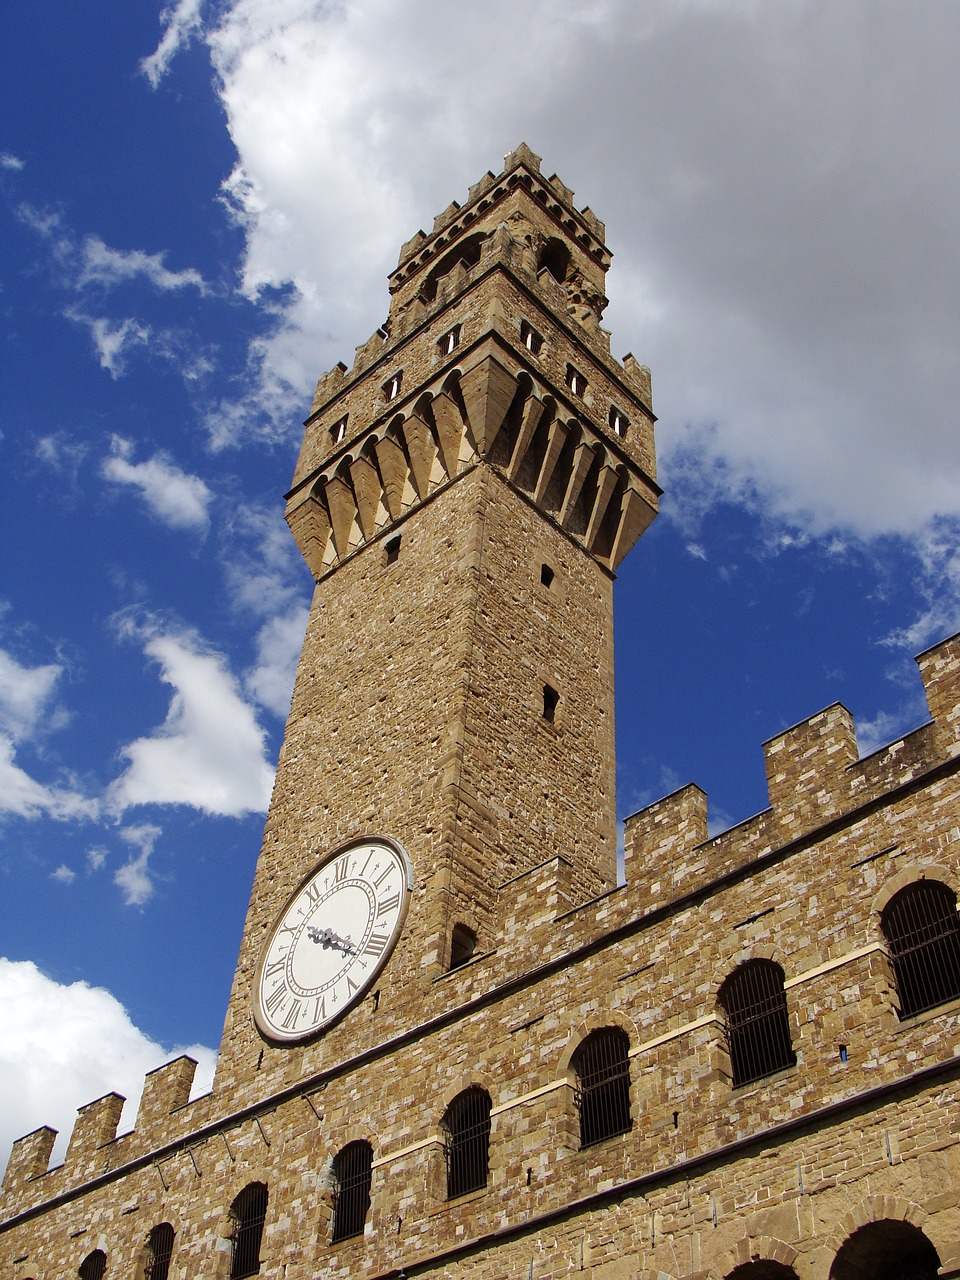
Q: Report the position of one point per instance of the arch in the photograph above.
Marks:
(601, 1066)
(886, 1249)
(247, 1215)
(754, 1006)
(352, 1171)
(466, 252)
(463, 945)
(159, 1252)
(93, 1266)
(922, 930)
(466, 1141)
(906, 875)
(554, 257)
(756, 1258)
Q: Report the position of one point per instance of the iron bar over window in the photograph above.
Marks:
(923, 933)
(602, 1067)
(93, 1265)
(351, 1168)
(466, 1128)
(249, 1212)
(159, 1252)
(757, 1025)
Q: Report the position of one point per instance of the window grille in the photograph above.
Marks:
(467, 1142)
(576, 381)
(450, 341)
(923, 933)
(93, 1265)
(619, 422)
(159, 1252)
(391, 388)
(532, 340)
(757, 1026)
(602, 1068)
(339, 430)
(249, 1212)
(352, 1169)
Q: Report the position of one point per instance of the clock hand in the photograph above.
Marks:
(327, 938)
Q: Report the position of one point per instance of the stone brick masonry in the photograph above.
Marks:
(455, 694)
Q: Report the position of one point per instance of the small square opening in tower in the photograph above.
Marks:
(546, 575)
(339, 430)
(450, 341)
(463, 944)
(392, 549)
(619, 422)
(391, 388)
(550, 699)
(532, 340)
(576, 381)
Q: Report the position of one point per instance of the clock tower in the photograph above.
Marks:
(463, 496)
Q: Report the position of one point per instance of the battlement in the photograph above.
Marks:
(94, 1146)
(815, 777)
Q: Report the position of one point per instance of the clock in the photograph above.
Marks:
(331, 939)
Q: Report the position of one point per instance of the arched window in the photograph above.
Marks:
(466, 1128)
(555, 258)
(351, 1169)
(762, 1269)
(248, 1211)
(93, 1266)
(886, 1250)
(923, 934)
(159, 1252)
(602, 1067)
(466, 252)
(758, 1029)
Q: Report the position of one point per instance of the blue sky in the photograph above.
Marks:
(199, 207)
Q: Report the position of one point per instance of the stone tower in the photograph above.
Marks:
(462, 497)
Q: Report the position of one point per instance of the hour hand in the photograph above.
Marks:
(327, 938)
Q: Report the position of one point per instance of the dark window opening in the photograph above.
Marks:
(450, 341)
(602, 1067)
(93, 1266)
(249, 1212)
(159, 1252)
(466, 1127)
(555, 258)
(546, 575)
(550, 699)
(463, 945)
(532, 340)
(392, 548)
(619, 422)
(754, 1004)
(576, 381)
(466, 253)
(352, 1170)
(339, 430)
(391, 388)
(922, 931)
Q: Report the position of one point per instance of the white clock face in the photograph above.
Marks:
(331, 939)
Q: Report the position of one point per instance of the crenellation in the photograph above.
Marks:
(806, 769)
(29, 1159)
(940, 673)
(165, 1090)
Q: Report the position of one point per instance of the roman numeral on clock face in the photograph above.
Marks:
(376, 944)
(388, 904)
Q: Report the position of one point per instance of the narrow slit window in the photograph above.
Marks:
(391, 388)
(339, 430)
(619, 422)
(393, 549)
(550, 699)
(530, 338)
(576, 381)
(450, 341)
(546, 575)
(463, 945)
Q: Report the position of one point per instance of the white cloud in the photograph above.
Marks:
(65, 1045)
(279, 642)
(63, 874)
(8, 161)
(26, 711)
(209, 752)
(181, 23)
(133, 878)
(178, 499)
(102, 265)
(61, 453)
(113, 340)
(96, 859)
